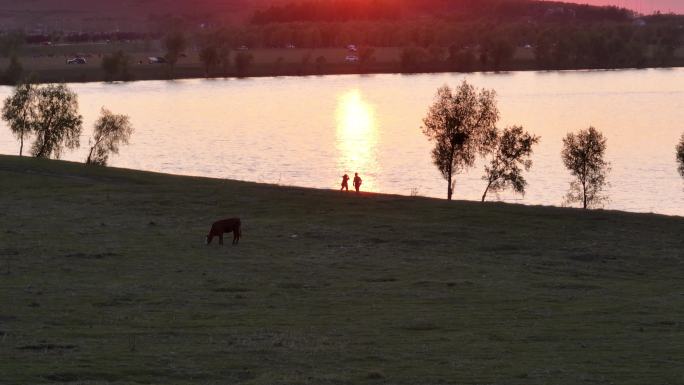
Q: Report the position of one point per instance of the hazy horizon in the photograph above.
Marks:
(642, 6)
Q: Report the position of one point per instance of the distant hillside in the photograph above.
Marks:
(643, 6)
(88, 15)
(142, 15)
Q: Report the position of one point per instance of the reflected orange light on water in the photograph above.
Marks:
(357, 138)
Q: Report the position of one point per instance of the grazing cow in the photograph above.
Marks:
(225, 226)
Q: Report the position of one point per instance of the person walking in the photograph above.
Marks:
(357, 182)
(345, 182)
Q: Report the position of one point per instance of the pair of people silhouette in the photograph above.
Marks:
(357, 182)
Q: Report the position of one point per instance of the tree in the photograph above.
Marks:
(110, 131)
(11, 43)
(436, 54)
(18, 112)
(209, 56)
(175, 45)
(242, 62)
(543, 50)
(413, 58)
(55, 120)
(462, 125)
(224, 58)
(321, 62)
(462, 59)
(511, 154)
(502, 52)
(366, 56)
(680, 156)
(14, 70)
(583, 154)
(115, 66)
(304, 64)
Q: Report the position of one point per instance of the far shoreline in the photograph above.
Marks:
(147, 72)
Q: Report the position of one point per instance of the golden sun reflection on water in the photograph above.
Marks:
(357, 138)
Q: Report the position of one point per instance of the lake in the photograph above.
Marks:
(310, 131)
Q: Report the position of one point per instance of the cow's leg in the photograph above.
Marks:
(221, 239)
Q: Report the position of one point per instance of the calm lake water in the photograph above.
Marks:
(310, 131)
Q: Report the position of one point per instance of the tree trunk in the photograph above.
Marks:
(21, 145)
(46, 147)
(41, 150)
(584, 194)
(42, 153)
(90, 154)
(449, 189)
(484, 196)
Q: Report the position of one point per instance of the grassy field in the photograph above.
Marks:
(105, 279)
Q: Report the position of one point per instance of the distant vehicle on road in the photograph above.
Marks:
(351, 59)
(352, 48)
(156, 60)
(77, 60)
(242, 48)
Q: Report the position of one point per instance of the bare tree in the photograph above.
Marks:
(511, 154)
(680, 156)
(110, 131)
(462, 125)
(583, 154)
(56, 121)
(18, 112)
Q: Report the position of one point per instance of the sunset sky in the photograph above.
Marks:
(643, 6)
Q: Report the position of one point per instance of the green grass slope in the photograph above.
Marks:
(105, 279)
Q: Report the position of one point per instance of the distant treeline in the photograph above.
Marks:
(87, 37)
(383, 10)
(332, 10)
(606, 46)
(473, 34)
(466, 46)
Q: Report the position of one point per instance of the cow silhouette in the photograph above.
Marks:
(225, 226)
